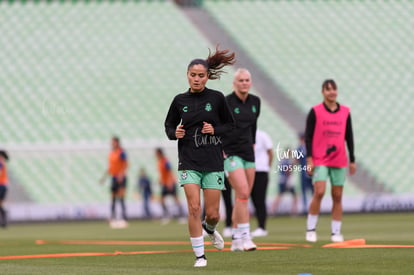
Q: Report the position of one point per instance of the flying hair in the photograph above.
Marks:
(219, 60)
(215, 62)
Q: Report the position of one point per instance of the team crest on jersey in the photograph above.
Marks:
(237, 110)
(184, 175)
(208, 107)
(185, 109)
(254, 110)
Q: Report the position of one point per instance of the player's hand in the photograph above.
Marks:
(352, 168)
(180, 131)
(309, 166)
(207, 128)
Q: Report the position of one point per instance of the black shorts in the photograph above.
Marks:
(3, 192)
(115, 185)
(166, 191)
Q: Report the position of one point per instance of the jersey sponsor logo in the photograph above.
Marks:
(185, 109)
(208, 107)
(254, 109)
(237, 110)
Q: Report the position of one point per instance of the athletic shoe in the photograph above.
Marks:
(259, 232)
(311, 236)
(200, 261)
(227, 232)
(248, 244)
(165, 221)
(237, 245)
(336, 238)
(215, 237)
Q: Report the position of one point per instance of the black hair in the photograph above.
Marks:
(215, 62)
(327, 83)
(4, 154)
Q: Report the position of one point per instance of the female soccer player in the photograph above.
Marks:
(117, 169)
(198, 118)
(239, 156)
(328, 126)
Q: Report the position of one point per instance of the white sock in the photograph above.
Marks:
(311, 222)
(336, 227)
(235, 232)
(244, 229)
(198, 246)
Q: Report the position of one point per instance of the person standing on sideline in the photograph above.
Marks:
(239, 160)
(305, 180)
(328, 127)
(168, 184)
(117, 168)
(198, 118)
(263, 155)
(4, 181)
(144, 188)
(228, 205)
(286, 182)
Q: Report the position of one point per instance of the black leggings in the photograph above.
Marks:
(259, 197)
(227, 201)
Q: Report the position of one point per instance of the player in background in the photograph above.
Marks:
(328, 127)
(286, 182)
(144, 188)
(168, 184)
(4, 181)
(117, 170)
(263, 154)
(239, 162)
(198, 118)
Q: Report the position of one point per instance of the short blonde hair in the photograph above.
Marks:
(240, 71)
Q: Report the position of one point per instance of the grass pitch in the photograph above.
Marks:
(147, 247)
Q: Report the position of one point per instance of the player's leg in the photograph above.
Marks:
(121, 199)
(258, 196)
(294, 209)
(212, 184)
(114, 190)
(191, 180)
(240, 215)
(228, 204)
(177, 201)
(337, 176)
(281, 190)
(320, 176)
(192, 194)
(164, 194)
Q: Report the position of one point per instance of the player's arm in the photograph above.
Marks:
(104, 176)
(309, 131)
(349, 137)
(254, 127)
(270, 154)
(226, 119)
(172, 121)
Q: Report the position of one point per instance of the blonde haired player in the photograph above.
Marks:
(239, 162)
